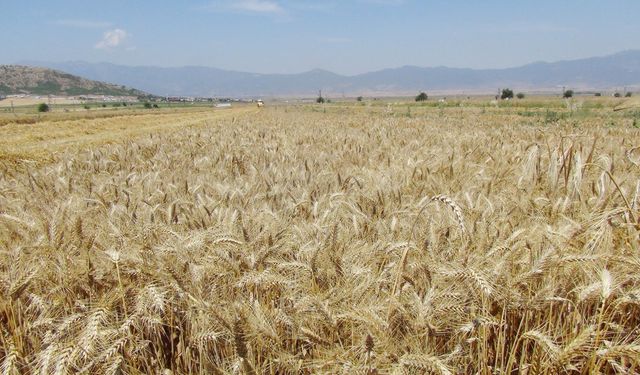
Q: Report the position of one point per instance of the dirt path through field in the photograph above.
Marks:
(36, 142)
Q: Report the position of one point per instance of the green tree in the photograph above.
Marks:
(617, 95)
(520, 95)
(628, 94)
(320, 100)
(422, 97)
(43, 107)
(506, 94)
(568, 94)
(359, 98)
(147, 105)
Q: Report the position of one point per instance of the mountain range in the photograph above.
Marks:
(596, 73)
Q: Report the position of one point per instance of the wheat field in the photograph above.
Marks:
(343, 240)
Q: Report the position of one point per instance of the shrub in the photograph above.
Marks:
(104, 105)
(147, 105)
(507, 94)
(520, 95)
(359, 98)
(568, 94)
(422, 97)
(320, 100)
(527, 113)
(552, 117)
(628, 95)
(86, 106)
(598, 94)
(124, 104)
(617, 95)
(43, 107)
(155, 106)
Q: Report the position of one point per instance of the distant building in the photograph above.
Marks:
(106, 98)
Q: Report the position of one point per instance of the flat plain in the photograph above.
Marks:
(460, 237)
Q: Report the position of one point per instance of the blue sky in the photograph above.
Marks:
(290, 36)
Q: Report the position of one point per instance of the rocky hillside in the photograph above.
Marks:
(19, 79)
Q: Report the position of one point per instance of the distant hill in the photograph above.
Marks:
(18, 79)
(597, 73)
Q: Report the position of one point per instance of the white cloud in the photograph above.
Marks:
(247, 6)
(383, 2)
(284, 9)
(258, 6)
(83, 24)
(112, 39)
(304, 6)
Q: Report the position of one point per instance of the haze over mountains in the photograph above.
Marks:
(596, 73)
